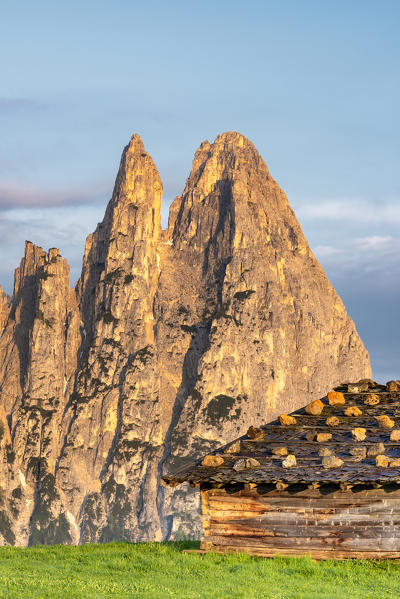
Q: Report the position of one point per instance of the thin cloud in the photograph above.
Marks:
(359, 210)
(21, 195)
(326, 250)
(354, 258)
(375, 242)
(55, 226)
(10, 105)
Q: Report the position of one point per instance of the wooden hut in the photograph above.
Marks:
(324, 480)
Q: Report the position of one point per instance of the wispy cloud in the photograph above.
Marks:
(365, 270)
(10, 105)
(359, 210)
(326, 250)
(56, 226)
(18, 195)
(363, 257)
(375, 242)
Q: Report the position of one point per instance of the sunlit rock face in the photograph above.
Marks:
(172, 343)
(3, 309)
(38, 350)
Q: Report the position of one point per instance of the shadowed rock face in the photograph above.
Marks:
(172, 343)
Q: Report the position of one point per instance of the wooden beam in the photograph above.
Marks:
(345, 486)
(314, 486)
(281, 486)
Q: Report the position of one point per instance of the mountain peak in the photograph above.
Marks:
(233, 138)
(138, 177)
(136, 144)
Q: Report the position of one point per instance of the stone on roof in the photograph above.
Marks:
(352, 435)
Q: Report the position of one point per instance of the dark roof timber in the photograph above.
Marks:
(350, 437)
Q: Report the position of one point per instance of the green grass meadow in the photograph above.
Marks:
(161, 570)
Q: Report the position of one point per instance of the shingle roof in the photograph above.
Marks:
(350, 436)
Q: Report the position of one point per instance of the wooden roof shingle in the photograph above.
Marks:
(352, 436)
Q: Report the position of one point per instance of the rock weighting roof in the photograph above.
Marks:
(351, 436)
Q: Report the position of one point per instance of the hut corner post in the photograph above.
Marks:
(205, 520)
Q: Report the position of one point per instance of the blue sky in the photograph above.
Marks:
(315, 85)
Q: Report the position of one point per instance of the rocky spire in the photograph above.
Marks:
(262, 325)
(114, 407)
(127, 234)
(278, 331)
(37, 359)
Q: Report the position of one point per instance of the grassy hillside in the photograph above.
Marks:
(158, 571)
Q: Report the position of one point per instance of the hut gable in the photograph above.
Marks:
(350, 436)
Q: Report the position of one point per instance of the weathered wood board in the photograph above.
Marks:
(340, 525)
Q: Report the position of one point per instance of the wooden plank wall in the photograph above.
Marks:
(342, 524)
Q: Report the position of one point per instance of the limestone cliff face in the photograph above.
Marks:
(172, 343)
(4, 310)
